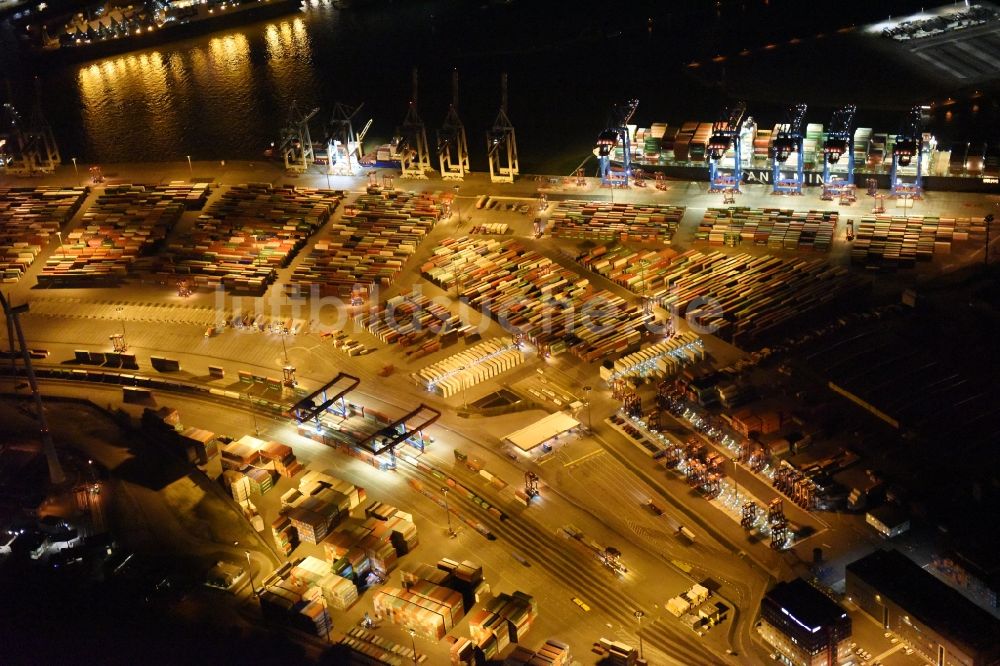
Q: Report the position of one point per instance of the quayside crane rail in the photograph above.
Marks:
(614, 135)
(788, 141)
(725, 136)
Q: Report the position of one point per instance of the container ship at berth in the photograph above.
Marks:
(106, 29)
(682, 152)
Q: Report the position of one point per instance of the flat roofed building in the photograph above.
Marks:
(943, 626)
(804, 626)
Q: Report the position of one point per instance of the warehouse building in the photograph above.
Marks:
(939, 623)
(804, 626)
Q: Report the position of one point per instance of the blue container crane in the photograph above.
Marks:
(616, 134)
(909, 144)
(839, 141)
(726, 135)
(789, 140)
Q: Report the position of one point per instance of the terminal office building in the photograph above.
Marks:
(939, 623)
(804, 626)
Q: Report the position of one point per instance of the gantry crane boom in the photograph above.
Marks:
(501, 142)
(909, 144)
(452, 147)
(411, 145)
(725, 135)
(788, 141)
(614, 135)
(839, 141)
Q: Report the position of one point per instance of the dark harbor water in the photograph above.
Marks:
(226, 95)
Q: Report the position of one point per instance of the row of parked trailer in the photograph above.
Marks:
(471, 367)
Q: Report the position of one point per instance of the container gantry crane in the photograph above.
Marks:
(452, 148)
(411, 145)
(296, 143)
(27, 148)
(343, 145)
(839, 141)
(789, 140)
(909, 144)
(725, 135)
(616, 134)
(501, 143)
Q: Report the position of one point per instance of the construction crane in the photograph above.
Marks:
(614, 135)
(839, 141)
(789, 140)
(909, 144)
(452, 148)
(343, 146)
(12, 313)
(296, 143)
(501, 144)
(725, 135)
(411, 144)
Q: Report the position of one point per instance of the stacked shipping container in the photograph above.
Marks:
(590, 220)
(29, 218)
(470, 367)
(125, 222)
(247, 235)
(370, 245)
(884, 241)
(776, 228)
(529, 294)
(736, 297)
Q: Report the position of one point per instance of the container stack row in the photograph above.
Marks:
(776, 228)
(741, 296)
(528, 293)
(636, 270)
(300, 595)
(503, 620)
(356, 547)
(246, 236)
(125, 222)
(416, 323)
(598, 220)
(370, 244)
(30, 217)
(884, 241)
(473, 366)
(428, 609)
(551, 653)
(662, 360)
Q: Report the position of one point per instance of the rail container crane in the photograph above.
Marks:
(909, 144)
(788, 140)
(725, 135)
(839, 142)
(616, 134)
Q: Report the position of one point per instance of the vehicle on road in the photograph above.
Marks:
(579, 602)
(652, 506)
